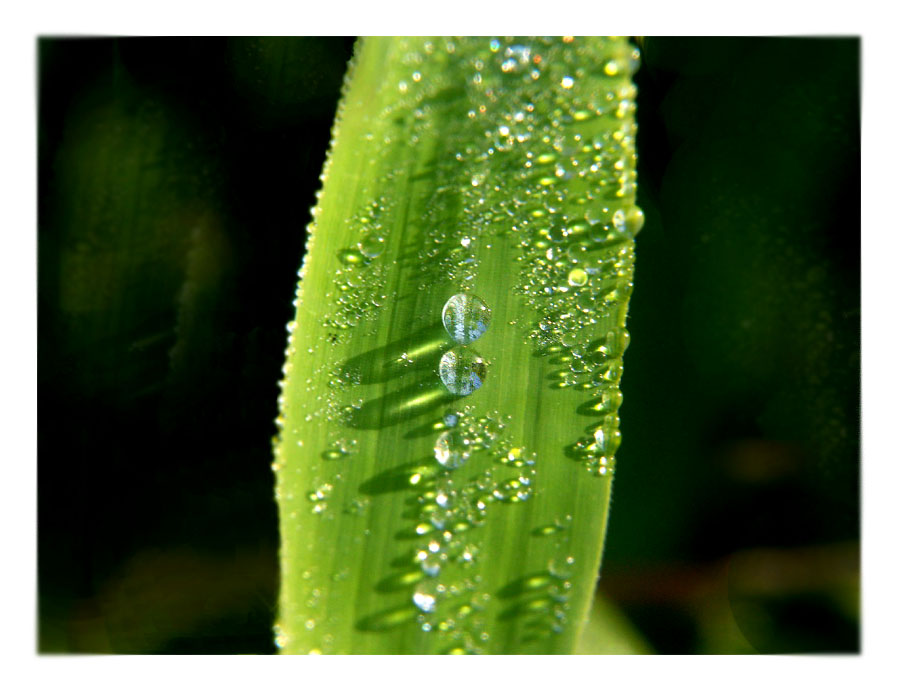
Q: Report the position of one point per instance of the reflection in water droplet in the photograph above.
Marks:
(466, 317)
(462, 370)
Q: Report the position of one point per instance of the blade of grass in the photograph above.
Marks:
(608, 631)
(504, 169)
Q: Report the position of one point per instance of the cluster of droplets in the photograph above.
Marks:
(555, 117)
(341, 447)
(594, 368)
(474, 467)
(359, 286)
(574, 216)
(553, 113)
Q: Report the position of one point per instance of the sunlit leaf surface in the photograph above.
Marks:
(449, 421)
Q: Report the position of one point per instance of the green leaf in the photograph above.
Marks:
(608, 631)
(418, 517)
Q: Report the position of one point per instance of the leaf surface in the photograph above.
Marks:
(439, 497)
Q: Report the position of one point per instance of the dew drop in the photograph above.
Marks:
(466, 317)
(431, 566)
(607, 442)
(452, 449)
(424, 601)
(634, 220)
(578, 277)
(281, 638)
(372, 245)
(462, 370)
(634, 60)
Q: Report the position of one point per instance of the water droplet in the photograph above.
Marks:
(372, 245)
(567, 82)
(607, 442)
(561, 568)
(466, 317)
(634, 220)
(578, 277)
(281, 638)
(462, 370)
(516, 56)
(431, 565)
(452, 449)
(451, 418)
(424, 601)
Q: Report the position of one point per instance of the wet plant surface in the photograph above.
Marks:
(175, 179)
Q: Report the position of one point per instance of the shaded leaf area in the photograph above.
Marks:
(176, 177)
(736, 522)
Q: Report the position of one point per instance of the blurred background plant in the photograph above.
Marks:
(175, 181)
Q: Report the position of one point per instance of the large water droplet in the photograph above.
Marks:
(462, 370)
(466, 317)
(452, 449)
(372, 245)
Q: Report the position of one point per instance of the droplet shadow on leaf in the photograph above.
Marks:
(387, 619)
(526, 584)
(538, 604)
(404, 404)
(606, 404)
(399, 581)
(578, 451)
(398, 478)
(432, 428)
(417, 352)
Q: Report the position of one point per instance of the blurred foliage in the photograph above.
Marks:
(740, 421)
(175, 181)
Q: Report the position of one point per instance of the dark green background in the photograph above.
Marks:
(175, 181)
